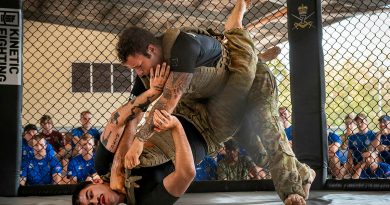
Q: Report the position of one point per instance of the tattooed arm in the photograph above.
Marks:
(119, 132)
(175, 86)
(126, 113)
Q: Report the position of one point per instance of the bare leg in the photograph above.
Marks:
(235, 18)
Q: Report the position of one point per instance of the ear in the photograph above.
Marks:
(97, 181)
(152, 48)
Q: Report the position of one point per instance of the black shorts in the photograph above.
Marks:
(103, 160)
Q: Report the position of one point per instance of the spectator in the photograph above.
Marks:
(29, 132)
(335, 164)
(56, 139)
(237, 167)
(382, 140)
(359, 142)
(206, 169)
(42, 168)
(82, 167)
(86, 127)
(350, 127)
(284, 116)
(371, 168)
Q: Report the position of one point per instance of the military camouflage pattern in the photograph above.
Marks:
(247, 100)
(237, 171)
(262, 119)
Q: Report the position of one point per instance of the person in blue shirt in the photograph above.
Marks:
(371, 168)
(30, 130)
(358, 142)
(284, 116)
(206, 169)
(86, 127)
(334, 143)
(42, 168)
(382, 141)
(82, 167)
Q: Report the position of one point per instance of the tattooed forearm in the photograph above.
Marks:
(174, 88)
(105, 139)
(115, 143)
(141, 106)
(114, 118)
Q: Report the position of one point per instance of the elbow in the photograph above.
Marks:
(188, 174)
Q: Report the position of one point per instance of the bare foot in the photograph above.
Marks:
(306, 187)
(269, 54)
(294, 199)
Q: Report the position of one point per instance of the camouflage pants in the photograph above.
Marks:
(218, 116)
(262, 121)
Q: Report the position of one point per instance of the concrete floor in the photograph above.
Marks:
(234, 198)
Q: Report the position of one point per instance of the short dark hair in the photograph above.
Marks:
(29, 127)
(45, 118)
(231, 145)
(77, 190)
(134, 40)
(85, 112)
(38, 137)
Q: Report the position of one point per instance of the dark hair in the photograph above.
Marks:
(45, 118)
(77, 190)
(134, 40)
(231, 144)
(38, 137)
(29, 127)
(85, 112)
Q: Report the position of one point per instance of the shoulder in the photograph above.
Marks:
(77, 131)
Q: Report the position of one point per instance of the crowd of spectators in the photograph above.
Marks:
(358, 152)
(52, 157)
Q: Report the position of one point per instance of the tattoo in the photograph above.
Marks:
(172, 91)
(141, 106)
(159, 87)
(180, 82)
(105, 139)
(167, 94)
(115, 118)
(115, 142)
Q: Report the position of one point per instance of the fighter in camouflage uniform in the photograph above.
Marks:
(220, 115)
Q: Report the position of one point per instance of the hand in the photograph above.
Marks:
(158, 77)
(117, 178)
(132, 156)
(163, 120)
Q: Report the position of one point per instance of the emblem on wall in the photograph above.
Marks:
(303, 18)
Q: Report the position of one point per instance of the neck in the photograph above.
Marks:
(46, 132)
(39, 156)
(286, 123)
(363, 131)
(87, 156)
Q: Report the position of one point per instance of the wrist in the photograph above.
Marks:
(155, 91)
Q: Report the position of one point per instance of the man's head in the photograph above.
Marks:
(140, 50)
(29, 131)
(46, 122)
(361, 122)
(87, 144)
(349, 122)
(384, 122)
(96, 192)
(39, 146)
(86, 119)
(283, 113)
(232, 150)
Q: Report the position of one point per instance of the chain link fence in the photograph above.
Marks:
(71, 67)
